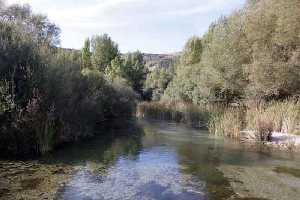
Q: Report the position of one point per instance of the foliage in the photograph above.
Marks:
(192, 51)
(115, 69)
(251, 54)
(157, 81)
(133, 70)
(104, 50)
(86, 55)
(46, 99)
(182, 86)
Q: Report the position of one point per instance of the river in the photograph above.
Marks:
(168, 161)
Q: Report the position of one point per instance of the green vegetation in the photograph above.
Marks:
(104, 50)
(51, 95)
(251, 54)
(263, 119)
(249, 62)
(175, 111)
(157, 81)
(86, 55)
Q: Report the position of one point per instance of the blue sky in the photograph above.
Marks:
(152, 26)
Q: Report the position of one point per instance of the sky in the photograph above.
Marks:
(151, 26)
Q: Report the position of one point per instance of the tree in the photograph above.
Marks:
(192, 51)
(45, 97)
(44, 32)
(114, 70)
(272, 28)
(86, 55)
(133, 70)
(157, 81)
(104, 50)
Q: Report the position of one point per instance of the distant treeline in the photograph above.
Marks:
(50, 95)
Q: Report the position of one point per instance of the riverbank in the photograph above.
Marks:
(22, 180)
(275, 124)
(279, 140)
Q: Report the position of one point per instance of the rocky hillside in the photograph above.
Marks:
(154, 61)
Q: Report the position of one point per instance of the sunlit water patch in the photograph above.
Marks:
(155, 174)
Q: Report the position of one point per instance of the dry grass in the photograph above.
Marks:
(228, 123)
(284, 115)
(194, 115)
(263, 119)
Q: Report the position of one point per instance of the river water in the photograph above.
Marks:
(168, 161)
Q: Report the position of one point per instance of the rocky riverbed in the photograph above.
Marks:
(266, 182)
(31, 180)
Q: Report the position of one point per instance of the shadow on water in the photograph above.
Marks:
(103, 148)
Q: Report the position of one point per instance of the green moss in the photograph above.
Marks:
(287, 170)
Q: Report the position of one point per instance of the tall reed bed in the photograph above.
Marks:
(228, 122)
(196, 116)
(261, 119)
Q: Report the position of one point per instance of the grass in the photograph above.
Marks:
(262, 118)
(228, 123)
(196, 116)
(284, 115)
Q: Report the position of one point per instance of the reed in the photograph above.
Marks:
(284, 116)
(262, 118)
(227, 123)
(194, 115)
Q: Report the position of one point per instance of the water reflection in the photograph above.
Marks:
(159, 161)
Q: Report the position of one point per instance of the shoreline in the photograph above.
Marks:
(280, 140)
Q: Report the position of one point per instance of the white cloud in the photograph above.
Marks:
(134, 24)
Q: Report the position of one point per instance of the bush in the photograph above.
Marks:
(45, 97)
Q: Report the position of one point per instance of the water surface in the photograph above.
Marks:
(170, 161)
